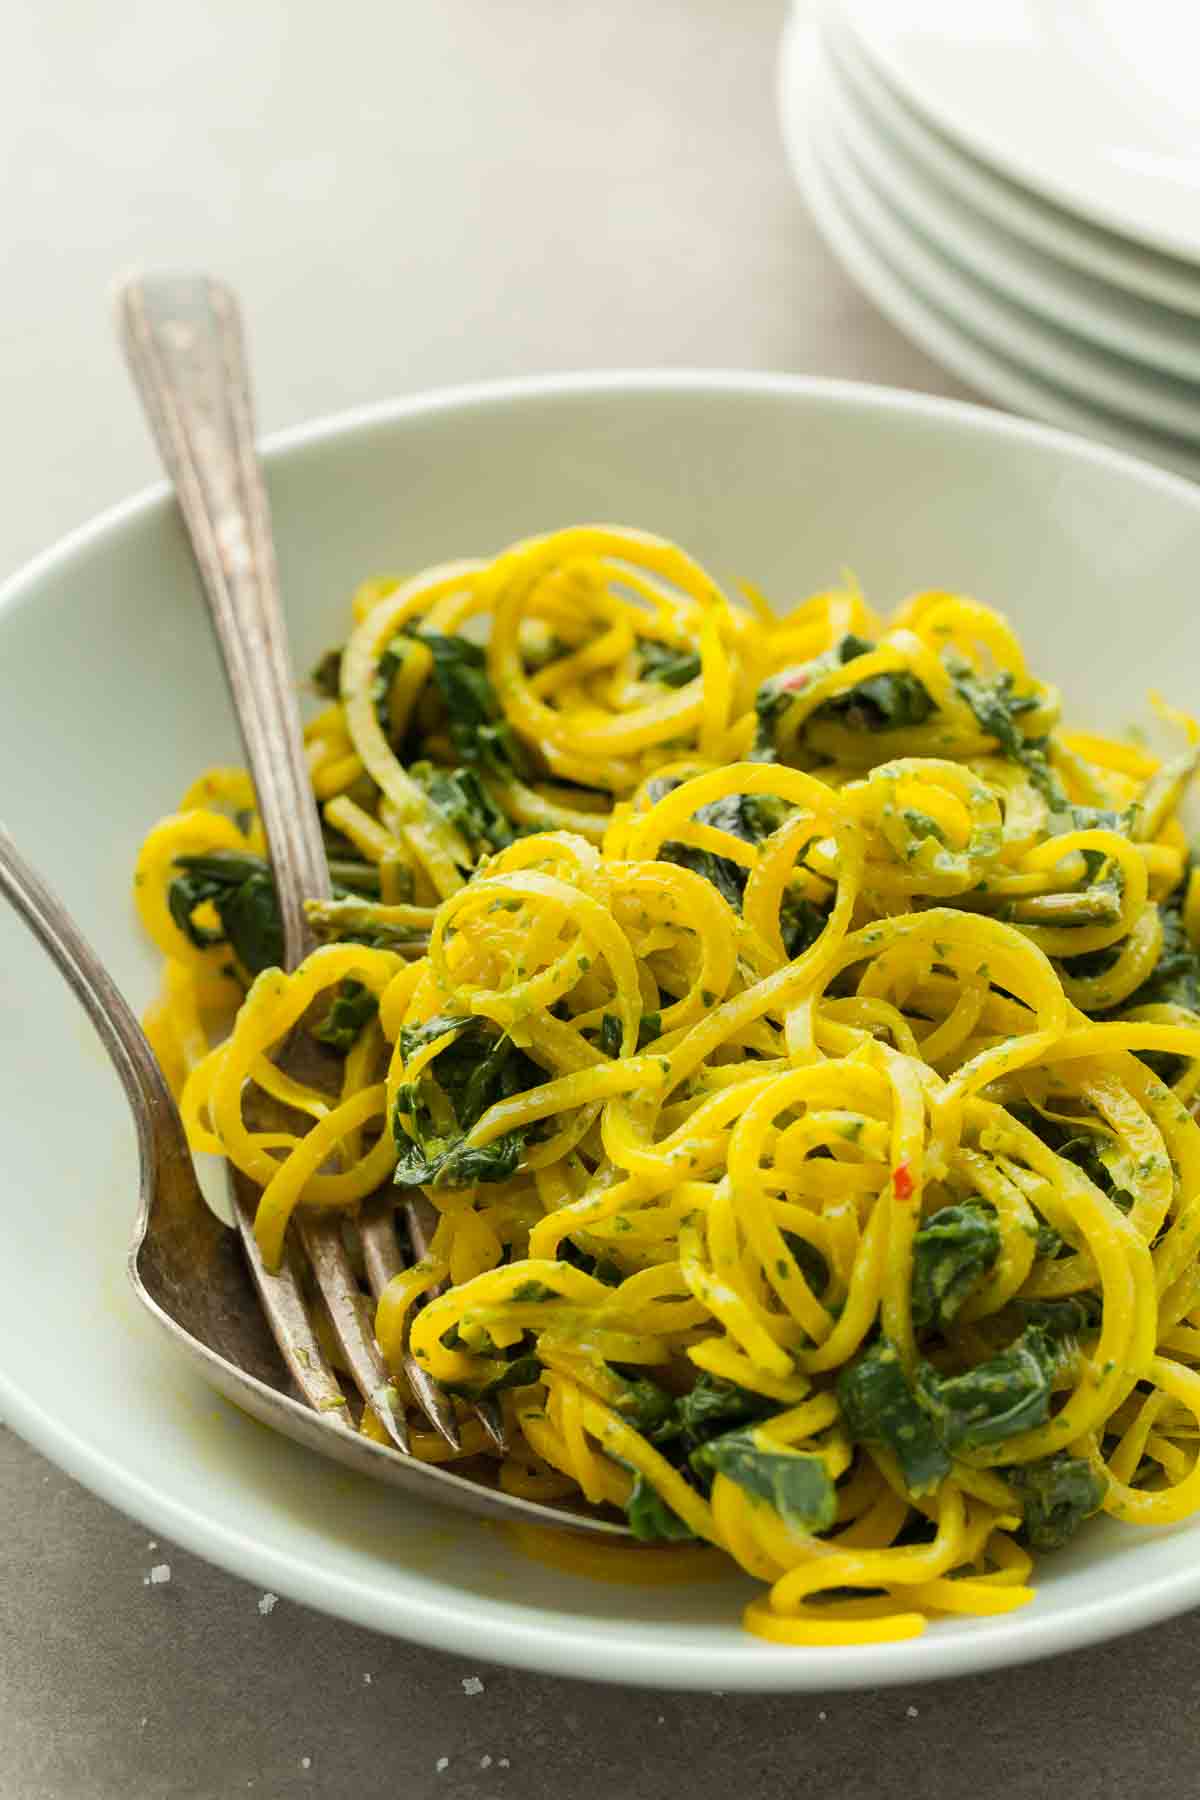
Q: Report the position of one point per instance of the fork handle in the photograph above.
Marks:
(182, 337)
(160, 1129)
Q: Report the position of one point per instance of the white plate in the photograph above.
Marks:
(801, 101)
(111, 698)
(1131, 390)
(1048, 228)
(1091, 103)
(1118, 321)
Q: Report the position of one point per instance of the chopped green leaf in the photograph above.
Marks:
(534, 1291)
(713, 1405)
(951, 1251)
(889, 702)
(522, 1371)
(650, 1518)
(670, 664)
(996, 709)
(465, 803)
(353, 1008)
(1074, 1317)
(646, 1406)
(749, 817)
(879, 1407)
(1059, 1493)
(437, 1162)
(996, 1399)
(1049, 1243)
(795, 1483)
(808, 1258)
(415, 1037)
(478, 729)
(800, 922)
(475, 1068)
(243, 893)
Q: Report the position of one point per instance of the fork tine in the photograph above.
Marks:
(381, 1254)
(492, 1419)
(286, 1312)
(321, 1235)
(420, 1216)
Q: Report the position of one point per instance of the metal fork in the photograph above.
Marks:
(184, 1264)
(183, 340)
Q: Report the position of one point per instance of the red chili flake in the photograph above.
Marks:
(902, 1182)
(796, 682)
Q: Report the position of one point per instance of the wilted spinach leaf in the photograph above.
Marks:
(646, 1406)
(667, 663)
(353, 1007)
(243, 893)
(800, 923)
(995, 1400)
(808, 1259)
(608, 1038)
(996, 709)
(476, 1068)
(522, 1371)
(1074, 1317)
(650, 1518)
(713, 1405)
(879, 1407)
(1059, 1493)
(465, 803)
(477, 726)
(888, 702)
(795, 1482)
(951, 1250)
(750, 817)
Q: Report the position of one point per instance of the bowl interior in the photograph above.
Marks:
(111, 699)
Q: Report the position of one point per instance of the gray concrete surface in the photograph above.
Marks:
(410, 192)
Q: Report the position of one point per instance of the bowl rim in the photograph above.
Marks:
(514, 1636)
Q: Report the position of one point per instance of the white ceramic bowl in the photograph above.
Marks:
(111, 699)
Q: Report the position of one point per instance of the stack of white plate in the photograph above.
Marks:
(1016, 183)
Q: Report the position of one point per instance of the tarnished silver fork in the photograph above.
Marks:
(183, 340)
(185, 1266)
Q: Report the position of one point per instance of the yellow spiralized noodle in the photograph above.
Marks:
(795, 1032)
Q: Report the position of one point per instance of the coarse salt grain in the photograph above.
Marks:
(442, 1764)
(306, 1762)
(822, 1715)
(268, 1603)
(472, 1684)
(504, 1763)
(159, 1573)
(911, 1712)
(485, 1762)
(366, 1679)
